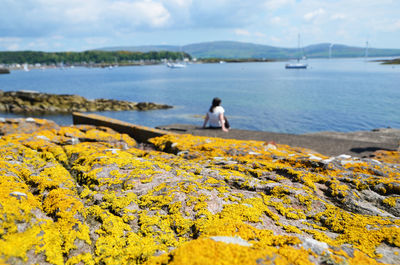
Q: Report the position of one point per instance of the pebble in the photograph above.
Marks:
(313, 157)
(73, 141)
(270, 146)
(315, 245)
(329, 160)
(43, 137)
(231, 240)
(18, 194)
(113, 150)
(343, 156)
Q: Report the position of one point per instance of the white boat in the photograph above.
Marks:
(298, 64)
(180, 64)
(176, 65)
(26, 69)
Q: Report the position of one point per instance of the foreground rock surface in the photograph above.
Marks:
(87, 195)
(31, 101)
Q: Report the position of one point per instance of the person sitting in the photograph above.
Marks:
(215, 116)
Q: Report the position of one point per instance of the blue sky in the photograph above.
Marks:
(77, 25)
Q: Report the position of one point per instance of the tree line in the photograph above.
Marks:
(33, 57)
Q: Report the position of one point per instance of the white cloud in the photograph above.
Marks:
(117, 22)
(242, 32)
(387, 25)
(275, 39)
(75, 17)
(147, 12)
(8, 39)
(10, 44)
(182, 3)
(259, 34)
(314, 14)
(276, 4)
(338, 16)
(396, 25)
(12, 47)
(131, 13)
(276, 20)
(98, 41)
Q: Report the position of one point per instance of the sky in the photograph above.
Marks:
(78, 25)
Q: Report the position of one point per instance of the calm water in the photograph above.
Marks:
(335, 95)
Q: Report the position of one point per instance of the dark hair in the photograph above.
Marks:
(215, 103)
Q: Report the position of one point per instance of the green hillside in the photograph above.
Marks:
(32, 57)
(237, 50)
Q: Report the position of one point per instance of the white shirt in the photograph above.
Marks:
(214, 116)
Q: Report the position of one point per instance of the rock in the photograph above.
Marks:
(343, 156)
(95, 197)
(315, 245)
(231, 240)
(18, 195)
(4, 71)
(32, 101)
(314, 157)
(30, 125)
(43, 137)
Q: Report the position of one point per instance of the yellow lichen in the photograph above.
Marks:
(87, 195)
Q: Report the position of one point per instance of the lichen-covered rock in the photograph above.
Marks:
(99, 199)
(25, 125)
(31, 101)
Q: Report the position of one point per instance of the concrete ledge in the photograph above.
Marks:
(139, 133)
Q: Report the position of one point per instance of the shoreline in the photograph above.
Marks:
(360, 144)
(27, 101)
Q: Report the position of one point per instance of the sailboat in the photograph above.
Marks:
(298, 64)
(177, 64)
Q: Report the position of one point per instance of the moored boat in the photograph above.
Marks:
(176, 65)
(297, 65)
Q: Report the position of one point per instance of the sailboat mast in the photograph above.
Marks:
(298, 47)
(366, 49)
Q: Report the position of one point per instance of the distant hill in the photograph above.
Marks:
(233, 49)
(146, 48)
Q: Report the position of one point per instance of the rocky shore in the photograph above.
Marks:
(35, 102)
(361, 143)
(4, 71)
(88, 195)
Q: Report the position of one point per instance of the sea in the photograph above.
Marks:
(331, 95)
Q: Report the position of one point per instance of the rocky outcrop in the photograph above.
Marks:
(87, 195)
(4, 71)
(35, 102)
(25, 125)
